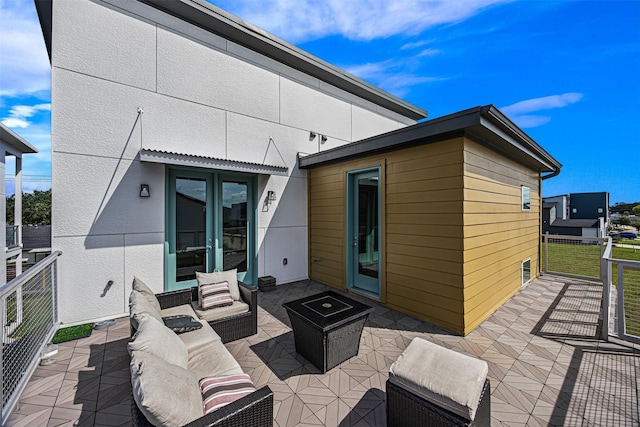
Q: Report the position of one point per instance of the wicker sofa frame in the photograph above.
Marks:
(229, 328)
(405, 408)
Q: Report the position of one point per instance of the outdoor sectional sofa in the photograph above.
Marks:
(168, 367)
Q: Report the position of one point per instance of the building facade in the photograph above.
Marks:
(576, 214)
(177, 101)
(186, 140)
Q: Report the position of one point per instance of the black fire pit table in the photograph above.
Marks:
(327, 327)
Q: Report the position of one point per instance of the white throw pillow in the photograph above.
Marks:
(229, 276)
(141, 287)
(166, 394)
(154, 337)
(140, 305)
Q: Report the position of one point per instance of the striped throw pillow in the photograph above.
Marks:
(215, 295)
(220, 391)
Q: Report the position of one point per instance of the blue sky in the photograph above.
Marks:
(567, 72)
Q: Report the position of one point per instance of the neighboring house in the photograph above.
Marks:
(176, 134)
(576, 214)
(12, 145)
(36, 242)
(36, 246)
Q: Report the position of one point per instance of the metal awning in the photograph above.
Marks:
(180, 159)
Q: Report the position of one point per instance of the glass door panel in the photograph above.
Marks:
(210, 226)
(234, 225)
(363, 230)
(190, 228)
(368, 226)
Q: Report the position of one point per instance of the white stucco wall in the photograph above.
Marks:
(200, 95)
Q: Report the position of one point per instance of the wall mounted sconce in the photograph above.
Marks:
(323, 139)
(269, 198)
(312, 135)
(144, 190)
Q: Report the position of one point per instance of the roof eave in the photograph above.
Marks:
(217, 21)
(16, 141)
(45, 16)
(487, 125)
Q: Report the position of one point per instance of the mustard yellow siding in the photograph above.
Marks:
(326, 230)
(453, 230)
(422, 229)
(498, 234)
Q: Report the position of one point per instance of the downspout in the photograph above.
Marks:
(551, 175)
(542, 178)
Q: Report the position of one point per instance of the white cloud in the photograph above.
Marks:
(531, 121)
(430, 52)
(19, 114)
(417, 44)
(519, 112)
(24, 64)
(544, 103)
(394, 76)
(301, 20)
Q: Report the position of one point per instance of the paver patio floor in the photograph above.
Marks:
(546, 366)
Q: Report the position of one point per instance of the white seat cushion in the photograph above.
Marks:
(448, 379)
(238, 307)
(212, 360)
(193, 339)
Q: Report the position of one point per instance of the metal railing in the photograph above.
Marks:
(597, 259)
(29, 320)
(573, 256)
(12, 235)
(621, 296)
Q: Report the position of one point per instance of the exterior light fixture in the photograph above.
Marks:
(144, 190)
(312, 135)
(271, 196)
(323, 139)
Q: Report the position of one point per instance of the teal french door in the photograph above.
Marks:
(363, 231)
(211, 226)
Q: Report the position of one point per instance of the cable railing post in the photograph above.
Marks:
(622, 329)
(545, 240)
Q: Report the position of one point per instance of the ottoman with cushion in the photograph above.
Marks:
(430, 385)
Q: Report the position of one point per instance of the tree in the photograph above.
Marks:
(636, 224)
(636, 210)
(623, 220)
(36, 208)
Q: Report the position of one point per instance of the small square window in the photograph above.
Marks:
(600, 210)
(526, 198)
(574, 210)
(526, 272)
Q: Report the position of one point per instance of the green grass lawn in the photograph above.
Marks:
(72, 333)
(584, 260)
(36, 312)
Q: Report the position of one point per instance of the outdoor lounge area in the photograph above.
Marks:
(546, 366)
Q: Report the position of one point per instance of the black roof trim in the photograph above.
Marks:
(486, 125)
(217, 21)
(574, 223)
